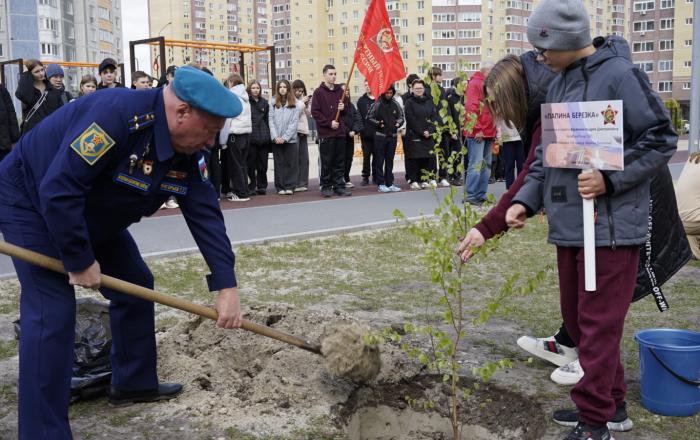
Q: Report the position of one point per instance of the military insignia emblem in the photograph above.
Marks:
(92, 144)
(385, 40)
(609, 115)
(203, 169)
(147, 167)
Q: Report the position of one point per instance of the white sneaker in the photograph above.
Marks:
(548, 349)
(300, 189)
(414, 185)
(569, 374)
(289, 192)
(424, 185)
(349, 185)
(229, 195)
(235, 198)
(444, 183)
(433, 184)
(171, 204)
(162, 206)
(394, 188)
(282, 192)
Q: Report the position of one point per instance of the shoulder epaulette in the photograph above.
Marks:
(139, 122)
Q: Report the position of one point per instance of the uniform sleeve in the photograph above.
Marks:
(93, 135)
(650, 141)
(206, 223)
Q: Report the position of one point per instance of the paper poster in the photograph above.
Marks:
(583, 135)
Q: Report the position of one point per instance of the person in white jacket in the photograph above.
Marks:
(235, 138)
(304, 105)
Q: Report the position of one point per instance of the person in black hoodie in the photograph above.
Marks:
(260, 140)
(385, 117)
(9, 129)
(39, 99)
(435, 76)
(421, 120)
(456, 141)
(353, 126)
(368, 160)
(108, 74)
(55, 74)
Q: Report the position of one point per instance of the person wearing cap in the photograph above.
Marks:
(38, 97)
(108, 74)
(69, 189)
(55, 74)
(595, 70)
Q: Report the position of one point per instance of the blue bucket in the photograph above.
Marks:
(669, 361)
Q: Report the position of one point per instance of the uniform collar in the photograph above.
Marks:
(164, 148)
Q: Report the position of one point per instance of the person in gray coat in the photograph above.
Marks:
(284, 122)
(560, 31)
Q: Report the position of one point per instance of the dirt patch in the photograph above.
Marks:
(382, 412)
(256, 384)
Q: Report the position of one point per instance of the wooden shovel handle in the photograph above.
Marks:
(151, 295)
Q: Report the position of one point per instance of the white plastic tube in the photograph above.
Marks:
(589, 242)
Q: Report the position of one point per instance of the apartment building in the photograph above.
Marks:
(214, 21)
(61, 30)
(661, 39)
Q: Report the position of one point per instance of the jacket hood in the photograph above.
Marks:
(606, 48)
(239, 90)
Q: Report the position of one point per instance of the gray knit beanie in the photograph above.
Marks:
(559, 25)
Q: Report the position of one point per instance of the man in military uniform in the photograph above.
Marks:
(69, 189)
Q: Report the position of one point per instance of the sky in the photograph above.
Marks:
(135, 22)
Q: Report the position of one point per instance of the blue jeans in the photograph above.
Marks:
(477, 181)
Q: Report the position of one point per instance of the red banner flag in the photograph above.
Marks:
(377, 55)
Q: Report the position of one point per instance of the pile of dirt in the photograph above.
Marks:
(256, 384)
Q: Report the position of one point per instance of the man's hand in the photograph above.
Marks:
(473, 239)
(335, 125)
(454, 137)
(479, 137)
(591, 185)
(279, 141)
(341, 106)
(229, 308)
(306, 99)
(351, 134)
(516, 216)
(426, 134)
(88, 278)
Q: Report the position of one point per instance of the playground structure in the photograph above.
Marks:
(161, 62)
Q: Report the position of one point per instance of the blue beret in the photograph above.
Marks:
(204, 92)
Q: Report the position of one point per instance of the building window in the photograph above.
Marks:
(643, 6)
(645, 66)
(686, 86)
(665, 86)
(49, 49)
(689, 21)
(688, 43)
(666, 23)
(643, 26)
(665, 65)
(667, 4)
(666, 45)
(421, 21)
(645, 46)
(687, 64)
(420, 5)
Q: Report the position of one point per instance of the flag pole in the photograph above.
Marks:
(347, 87)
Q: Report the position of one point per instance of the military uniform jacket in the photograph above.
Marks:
(101, 163)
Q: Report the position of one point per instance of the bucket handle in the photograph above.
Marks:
(695, 383)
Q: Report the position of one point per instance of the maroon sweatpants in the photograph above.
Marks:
(595, 321)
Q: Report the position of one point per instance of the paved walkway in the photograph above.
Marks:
(273, 217)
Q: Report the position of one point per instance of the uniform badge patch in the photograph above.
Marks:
(92, 144)
(203, 169)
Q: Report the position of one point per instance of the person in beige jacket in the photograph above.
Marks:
(688, 197)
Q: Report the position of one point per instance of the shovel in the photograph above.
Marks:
(41, 260)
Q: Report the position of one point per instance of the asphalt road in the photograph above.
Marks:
(279, 218)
